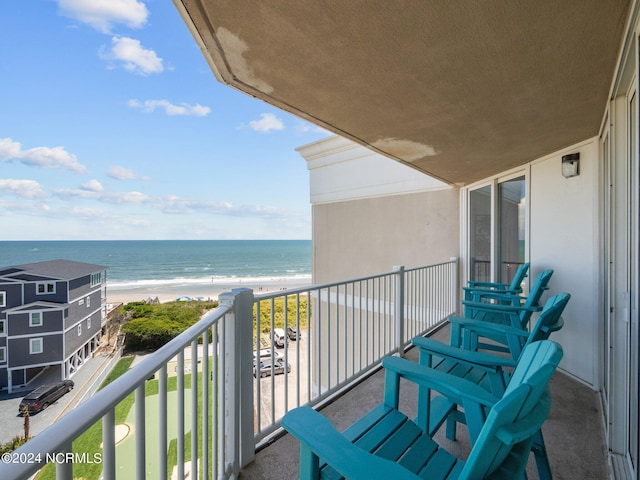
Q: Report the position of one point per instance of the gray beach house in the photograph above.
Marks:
(51, 316)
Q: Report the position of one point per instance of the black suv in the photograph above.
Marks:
(45, 395)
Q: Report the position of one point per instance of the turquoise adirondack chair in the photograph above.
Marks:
(474, 290)
(386, 444)
(511, 310)
(490, 371)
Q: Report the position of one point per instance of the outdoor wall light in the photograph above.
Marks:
(571, 165)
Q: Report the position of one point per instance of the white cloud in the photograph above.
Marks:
(46, 157)
(92, 186)
(116, 198)
(104, 14)
(305, 127)
(133, 56)
(169, 108)
(267, 123)
(122, 173)
(21, 188)
(176, 204)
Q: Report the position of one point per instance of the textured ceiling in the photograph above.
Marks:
(459, 90)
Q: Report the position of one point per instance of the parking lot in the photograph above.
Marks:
(275, 399)
(13, 423)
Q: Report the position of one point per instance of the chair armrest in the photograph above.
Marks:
(482, 328)
(319, 438)
(457, 389)
(509, 296)
(484, 285)
(500, 307)
(481, 360)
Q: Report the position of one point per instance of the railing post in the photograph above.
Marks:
(399, 308)
(238, 384)
(456, 284)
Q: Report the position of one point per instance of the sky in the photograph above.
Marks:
(113, 126)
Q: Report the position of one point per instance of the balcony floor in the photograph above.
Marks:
(573, 432)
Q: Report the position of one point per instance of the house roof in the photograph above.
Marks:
(40, 306)
(458, 90)
(49, 270)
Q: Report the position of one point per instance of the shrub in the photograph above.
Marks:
(151, 326)
(11, 445)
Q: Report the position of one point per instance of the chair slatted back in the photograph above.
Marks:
(505, 440)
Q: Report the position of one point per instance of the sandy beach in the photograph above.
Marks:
(208, 291)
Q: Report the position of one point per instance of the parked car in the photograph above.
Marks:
(265, 368)
(265, 355)
(278, 337)
(43, 396)
(293, 333)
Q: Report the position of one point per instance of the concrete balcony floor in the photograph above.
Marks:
(573, 432)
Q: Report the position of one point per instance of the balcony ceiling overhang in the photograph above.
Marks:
(458, 90)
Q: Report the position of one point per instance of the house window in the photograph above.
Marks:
(79, 329)
(35, 345)
(44, 288)
(35, 319)
(3, 299)
(96, 279)
(88, 302)
(88, 323)
(3, 354)
(2, 328)
(81, 301)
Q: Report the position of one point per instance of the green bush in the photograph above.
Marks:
(151, 326)
(294, 306)
(11, 445)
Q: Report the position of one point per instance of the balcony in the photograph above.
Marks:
(219, 408)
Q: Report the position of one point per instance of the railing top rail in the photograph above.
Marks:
(308, 288)
(69, 427)
(448, 262)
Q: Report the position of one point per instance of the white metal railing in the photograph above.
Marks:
(346, 329)
(208, 401)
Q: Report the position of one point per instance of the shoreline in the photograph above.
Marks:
(208, 291)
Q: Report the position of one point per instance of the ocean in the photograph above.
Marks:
(174, 266)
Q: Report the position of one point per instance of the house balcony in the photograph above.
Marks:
(573, 432)
(202, 396)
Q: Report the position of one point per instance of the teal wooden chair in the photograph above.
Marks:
(386, 444)
(490, 371)
(511, 310)
(474, 290)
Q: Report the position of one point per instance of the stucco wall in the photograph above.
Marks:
(564, 237)
(369, 236)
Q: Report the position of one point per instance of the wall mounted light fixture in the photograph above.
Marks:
(571, 165)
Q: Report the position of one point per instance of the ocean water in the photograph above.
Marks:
(157, 263)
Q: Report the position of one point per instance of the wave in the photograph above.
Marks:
(211, 280)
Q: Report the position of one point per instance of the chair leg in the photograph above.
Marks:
(540, 455)
(451, 429)
(309, 464)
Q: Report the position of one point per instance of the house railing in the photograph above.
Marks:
(219, 395)
(345, 330)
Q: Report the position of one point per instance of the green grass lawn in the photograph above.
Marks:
(89, 442)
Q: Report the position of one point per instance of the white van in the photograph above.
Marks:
(278, 337)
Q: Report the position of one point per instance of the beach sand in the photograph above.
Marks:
(169, 293)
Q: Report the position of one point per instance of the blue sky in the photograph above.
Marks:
(112, 126)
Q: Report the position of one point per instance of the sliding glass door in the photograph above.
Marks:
(497, 230)
(511, 227)
(480, 225)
